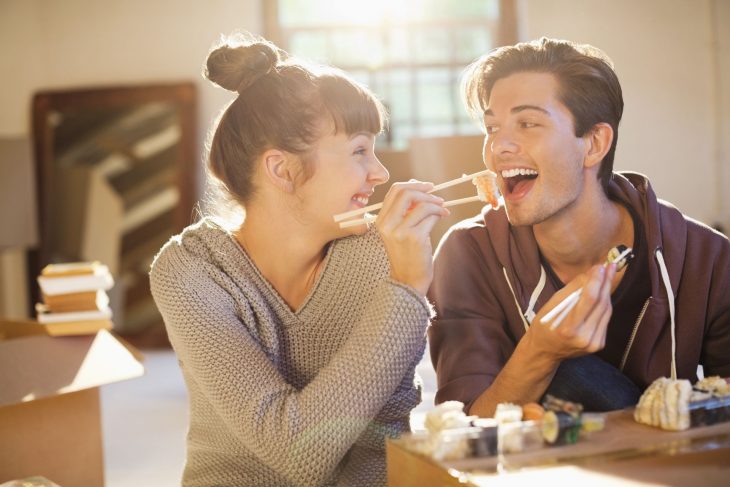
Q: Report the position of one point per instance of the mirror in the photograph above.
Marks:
(116, 177)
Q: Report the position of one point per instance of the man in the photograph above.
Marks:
(551, 111)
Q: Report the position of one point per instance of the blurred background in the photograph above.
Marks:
(105, 114)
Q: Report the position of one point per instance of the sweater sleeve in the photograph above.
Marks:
(468, 337)
(302, 434)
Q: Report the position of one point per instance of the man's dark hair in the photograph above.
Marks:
(588, 85)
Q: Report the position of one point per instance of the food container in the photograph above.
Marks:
(709, 411)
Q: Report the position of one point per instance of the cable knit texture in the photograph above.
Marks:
(281, 397)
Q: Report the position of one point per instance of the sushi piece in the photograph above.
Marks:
(560, 428)
(665, 404)
(487, 189)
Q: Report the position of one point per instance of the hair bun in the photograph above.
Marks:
(236, 67)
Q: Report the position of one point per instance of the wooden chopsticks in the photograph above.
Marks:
(561, 310)
(350, 214)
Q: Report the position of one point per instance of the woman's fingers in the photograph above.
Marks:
(408, 206)
(398, 193)
(420, 211)
(405, 222)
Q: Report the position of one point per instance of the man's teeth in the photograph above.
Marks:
(510, 173)
(361, 199)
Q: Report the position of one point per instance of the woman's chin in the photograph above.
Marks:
(354, 230)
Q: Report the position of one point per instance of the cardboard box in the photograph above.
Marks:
(50, 418)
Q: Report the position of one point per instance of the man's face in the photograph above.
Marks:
(531, 144)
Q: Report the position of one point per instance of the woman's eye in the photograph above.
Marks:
(490, 129)
(527, 125)
(360, 152)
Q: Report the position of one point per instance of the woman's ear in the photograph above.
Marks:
(598, 142)
(278, 167)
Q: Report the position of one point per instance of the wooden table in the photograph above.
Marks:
(624, 453)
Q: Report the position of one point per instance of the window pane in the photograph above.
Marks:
(398, 94)
(436, 129)
(440, 10)
(356, 47)
(472, 42)
(431, 45)
(435, 91)
(401, 133)
(398, 46)
(409, 52)
(309, 45)
(326, 13)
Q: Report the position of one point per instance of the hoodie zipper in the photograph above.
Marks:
(633, 334)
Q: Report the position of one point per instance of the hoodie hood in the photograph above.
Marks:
(660, 219)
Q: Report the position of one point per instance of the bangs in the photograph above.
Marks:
(475, 89)
(352, 106)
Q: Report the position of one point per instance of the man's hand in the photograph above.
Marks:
(528, 372)
(583, 331)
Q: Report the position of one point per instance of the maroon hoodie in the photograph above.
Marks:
(487, 286)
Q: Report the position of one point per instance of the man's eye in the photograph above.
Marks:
(490, 129)
(527, 125)
(360, 152)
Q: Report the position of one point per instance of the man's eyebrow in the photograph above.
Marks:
(519, 108)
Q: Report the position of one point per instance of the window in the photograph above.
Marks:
(411, 53)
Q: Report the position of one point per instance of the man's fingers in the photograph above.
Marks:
(591, 293)
(595, 324)
(599, 336)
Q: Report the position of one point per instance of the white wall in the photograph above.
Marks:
(666, 59)
(721, 25)
(73, 43)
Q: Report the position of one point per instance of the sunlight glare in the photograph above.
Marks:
(377, 12)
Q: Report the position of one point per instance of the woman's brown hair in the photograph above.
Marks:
(282, 103)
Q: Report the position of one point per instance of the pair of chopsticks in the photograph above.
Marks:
(369, 218)
(559, 312)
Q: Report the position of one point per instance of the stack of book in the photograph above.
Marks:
(74, 298)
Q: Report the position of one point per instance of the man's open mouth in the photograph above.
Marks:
(518, 181)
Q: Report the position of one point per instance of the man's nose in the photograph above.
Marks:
(501, 142)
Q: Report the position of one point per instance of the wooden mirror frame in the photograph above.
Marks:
(45, 103)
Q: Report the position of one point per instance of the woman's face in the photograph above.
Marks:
(345, 173)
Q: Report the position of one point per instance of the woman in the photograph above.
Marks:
(297, 340)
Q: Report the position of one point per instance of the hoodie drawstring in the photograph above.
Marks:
(528, 315)
(670, 297)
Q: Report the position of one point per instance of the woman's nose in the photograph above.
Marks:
(378, 173)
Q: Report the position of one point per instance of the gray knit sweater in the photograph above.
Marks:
(282, 397)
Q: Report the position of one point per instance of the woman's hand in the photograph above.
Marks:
(405, 223)
(583, 331)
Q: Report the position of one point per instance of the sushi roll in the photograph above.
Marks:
(560, 428)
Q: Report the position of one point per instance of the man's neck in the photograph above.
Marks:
(580, 236)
